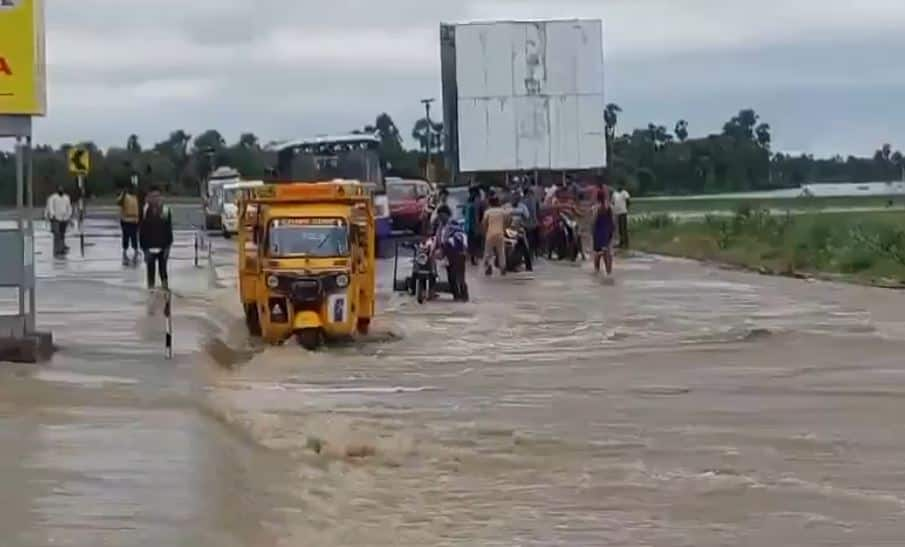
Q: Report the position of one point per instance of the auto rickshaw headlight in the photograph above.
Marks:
(422, 259)
(273, 281)
(342, 281)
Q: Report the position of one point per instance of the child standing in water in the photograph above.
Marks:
(604, 226)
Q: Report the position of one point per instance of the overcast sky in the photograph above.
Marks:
(826, 74)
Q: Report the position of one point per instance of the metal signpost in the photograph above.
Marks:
(428, 172)
(79, 161)
(22, 96)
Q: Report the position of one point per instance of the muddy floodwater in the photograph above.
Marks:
(681, 405)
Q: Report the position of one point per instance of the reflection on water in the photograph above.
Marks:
(679, 406)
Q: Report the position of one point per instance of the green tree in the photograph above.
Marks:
(209, 140)
(397, 161)
(248, 141)
(741, 127)
(175, 150)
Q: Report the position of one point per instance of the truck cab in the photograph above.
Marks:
(212, 195)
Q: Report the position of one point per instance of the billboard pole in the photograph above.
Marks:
(22, 96)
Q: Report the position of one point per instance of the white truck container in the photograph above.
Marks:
(523, 96)
(212, 195)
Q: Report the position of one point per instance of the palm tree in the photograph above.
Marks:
(610, 118)
(663, 136)
(899, 161)
(658, 136)
(420, 134)
(682, 130)
(133, 145)
(762, 134)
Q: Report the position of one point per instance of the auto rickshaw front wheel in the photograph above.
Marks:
(310, 339)
(252, 320)
(364, 325)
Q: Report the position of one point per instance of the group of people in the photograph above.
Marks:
(146, 226)
(487, 217)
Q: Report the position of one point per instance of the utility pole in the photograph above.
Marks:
(430, 136)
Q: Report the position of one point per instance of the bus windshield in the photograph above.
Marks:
(308, 237)
(326, 159)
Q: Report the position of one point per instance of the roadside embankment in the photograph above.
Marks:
(860, 247)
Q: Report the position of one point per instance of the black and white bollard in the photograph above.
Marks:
(196, 249)
(168, 316)
(81, 204)
(81, 221)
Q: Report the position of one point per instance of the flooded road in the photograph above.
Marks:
(682, 405)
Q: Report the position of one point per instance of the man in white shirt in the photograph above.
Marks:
(59, 213)
(621, 201)
(550, 193)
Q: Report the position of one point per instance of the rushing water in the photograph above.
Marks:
(680, 405)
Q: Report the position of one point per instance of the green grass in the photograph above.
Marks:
(682, 205)
(862, 247)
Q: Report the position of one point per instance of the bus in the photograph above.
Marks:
(348, 157)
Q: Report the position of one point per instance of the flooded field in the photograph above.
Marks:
(680, 406)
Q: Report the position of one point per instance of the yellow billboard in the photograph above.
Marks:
(23, 89)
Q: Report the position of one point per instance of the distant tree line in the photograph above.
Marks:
(181, 161)
(650, 161)
(655, 161)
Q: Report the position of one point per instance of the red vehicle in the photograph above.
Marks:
(408, 202)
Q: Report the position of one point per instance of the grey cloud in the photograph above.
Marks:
(283, 68)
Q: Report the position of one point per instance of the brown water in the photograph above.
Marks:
(681, 405)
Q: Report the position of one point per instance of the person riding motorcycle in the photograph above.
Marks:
(436, 200)
(517, 245)
(565, 238)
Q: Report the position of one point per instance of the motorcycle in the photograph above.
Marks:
(517, 248)
(565, 239)
(423, 282)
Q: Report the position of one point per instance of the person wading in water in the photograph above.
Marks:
(604, 226)
(156, 237)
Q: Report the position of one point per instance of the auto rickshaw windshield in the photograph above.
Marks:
(308, 237)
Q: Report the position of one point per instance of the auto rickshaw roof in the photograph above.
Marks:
(338, 191)
(310, 210)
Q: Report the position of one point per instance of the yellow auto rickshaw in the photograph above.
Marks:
(307, 261)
